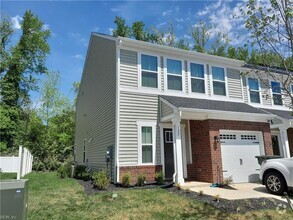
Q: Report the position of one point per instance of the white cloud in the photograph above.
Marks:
(110, 30)
(161, 24)
(115, 9)
(78, 56)
(78, 38)
(96, 29)
(16, 20)
(45, 27)
(168, 12)
(179, 19)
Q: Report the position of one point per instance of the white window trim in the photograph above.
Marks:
(166, 75)
(272, 94)
(259, 92)
(141, 124)
(139, 69)
(189, 79)
(211, 81)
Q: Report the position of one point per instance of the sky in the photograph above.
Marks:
(71, 24)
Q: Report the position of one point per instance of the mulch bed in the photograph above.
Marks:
(228, 206)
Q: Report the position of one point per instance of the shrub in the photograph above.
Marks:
(140, 179)
(159, 177)
(64, 170)
(126, 180)
(101, 179)
(227, 181)
(79, 171)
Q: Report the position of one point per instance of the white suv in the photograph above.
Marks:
(277, 175)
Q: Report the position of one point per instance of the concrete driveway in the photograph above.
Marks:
(234, 191)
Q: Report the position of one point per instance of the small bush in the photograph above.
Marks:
(126, 180)
(80, 171)
(101, 179)
(64, 170)
(216, 198)
(159, 177)
(200, 193)
(140, 179)
(227, 181)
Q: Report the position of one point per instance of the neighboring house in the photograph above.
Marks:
(194, 116)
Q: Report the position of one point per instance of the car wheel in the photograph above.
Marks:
(275, 183)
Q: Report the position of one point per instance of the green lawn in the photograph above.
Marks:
(4, 176)
(54, 198)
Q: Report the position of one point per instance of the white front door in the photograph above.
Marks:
(238, 151)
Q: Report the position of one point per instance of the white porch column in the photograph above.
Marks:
(285, 142)
(177, 145)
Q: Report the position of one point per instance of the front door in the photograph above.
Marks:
(168, 152)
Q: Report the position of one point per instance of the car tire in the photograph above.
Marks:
(275, 183)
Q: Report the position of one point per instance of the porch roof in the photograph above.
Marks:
(214, 105)
(282, 114)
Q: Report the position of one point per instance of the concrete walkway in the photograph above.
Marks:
(234, 191)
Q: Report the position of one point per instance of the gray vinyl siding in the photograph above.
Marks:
(128, 68)
(185, 87)
(135, 107)
(234, 83)
(162, 74)
(208, 79)
(245, 95)
(165, 110)
(95, 110)
(265, 93)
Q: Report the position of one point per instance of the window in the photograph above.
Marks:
(218, 75)
(197, 78)
(168, 137)
(292, 88)
(84, 147)
(149, 71)
(174, 74)
(253, 90)
(146, 142)
(277, 95)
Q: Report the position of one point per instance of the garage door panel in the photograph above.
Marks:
(238, 151)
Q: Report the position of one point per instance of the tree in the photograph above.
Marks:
(19, 67)
(201, 36)
(137, 30)
(183, 44)
(122, 29)
(271, 30)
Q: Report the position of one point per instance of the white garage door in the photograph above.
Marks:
(238, 155)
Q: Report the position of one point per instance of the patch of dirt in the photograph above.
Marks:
(90, 189)
(228, 206)
(233, 206)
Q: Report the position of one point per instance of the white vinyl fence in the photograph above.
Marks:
(20, 165)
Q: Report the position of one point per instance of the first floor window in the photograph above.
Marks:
(84, 148)
(253, 90)
(277, 94)
(219, 82)
(147, 144)
(146, 141)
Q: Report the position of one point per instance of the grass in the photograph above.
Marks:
(4, 176)
(54, 198)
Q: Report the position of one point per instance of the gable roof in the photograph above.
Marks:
(204, 104)
(283, 114)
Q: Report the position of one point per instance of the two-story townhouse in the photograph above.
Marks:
(142, 108)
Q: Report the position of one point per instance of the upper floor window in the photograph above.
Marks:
(219, 83)
(174, 74)
(254, 90)
(149, 71)
(277, 94)
(291, 88)
(197, 78)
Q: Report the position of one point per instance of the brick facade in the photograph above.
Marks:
(206, 154)
(134, 171)
(290, 140)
